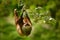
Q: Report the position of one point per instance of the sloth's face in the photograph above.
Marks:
(26, 29)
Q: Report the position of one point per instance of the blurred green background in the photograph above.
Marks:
(44, 15)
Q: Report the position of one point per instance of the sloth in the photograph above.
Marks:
(23, 23)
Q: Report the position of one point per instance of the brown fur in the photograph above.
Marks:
(21, 21)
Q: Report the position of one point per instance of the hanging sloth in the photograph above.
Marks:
(23, 24)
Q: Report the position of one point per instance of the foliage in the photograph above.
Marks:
(44, 15)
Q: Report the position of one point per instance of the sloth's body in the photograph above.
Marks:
(23, 24)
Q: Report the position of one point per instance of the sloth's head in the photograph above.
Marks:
(26, 29)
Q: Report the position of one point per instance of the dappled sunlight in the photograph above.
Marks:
(43, 14)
